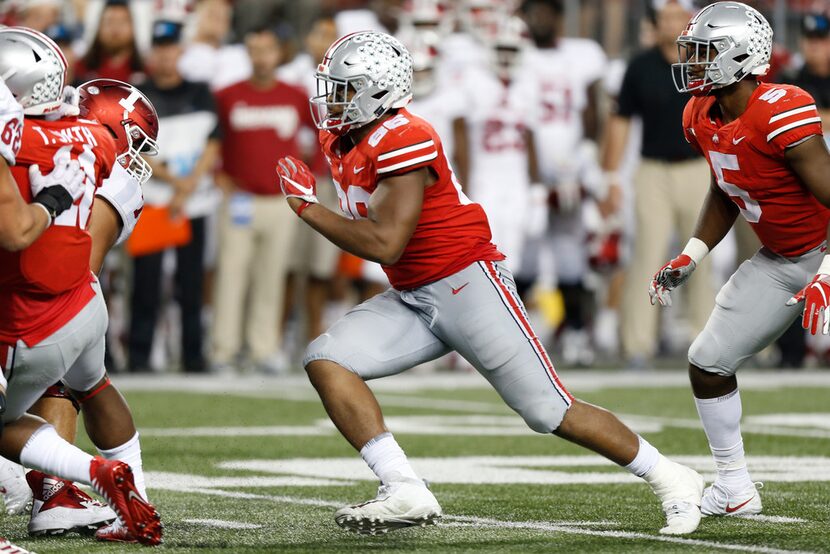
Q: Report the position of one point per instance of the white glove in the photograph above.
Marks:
(67, 174)
(69, 105)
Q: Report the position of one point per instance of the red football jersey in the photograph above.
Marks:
(747, 159)
(48, 283)
(452, 231)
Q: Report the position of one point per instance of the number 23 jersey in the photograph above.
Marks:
(747, 159)
(47, 284)
(452, 231)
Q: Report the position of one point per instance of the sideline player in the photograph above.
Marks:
(452, 291)
(54, 317)
(769, 163)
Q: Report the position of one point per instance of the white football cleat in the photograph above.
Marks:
(61, 507)
(17, 497)
(680, 489)
(403, 503)
(718, 500)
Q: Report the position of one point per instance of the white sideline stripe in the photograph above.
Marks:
(795, 111)
(772, 519)
(270, 431)
(222, 524)
(545, 526)
(406, 150)
(792, 125)
(561, 527)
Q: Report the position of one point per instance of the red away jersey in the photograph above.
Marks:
(47, 284)
(452, 231)
(747, 159)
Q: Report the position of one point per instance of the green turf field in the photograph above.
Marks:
(252, 465)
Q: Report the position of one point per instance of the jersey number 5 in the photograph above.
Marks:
(751, 209)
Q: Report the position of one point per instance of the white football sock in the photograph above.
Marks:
(387, 459)
(129, 453)
(46, 451)
(645, 459)
(721, 418)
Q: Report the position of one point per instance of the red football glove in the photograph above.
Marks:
(816, 298)
(670, 276)
(296, 179)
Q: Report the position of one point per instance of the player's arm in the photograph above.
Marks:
(717, 216)
(614, 144)
(104, 226)
(810, 160)
(393, 212)
(461, 152)
(20, 223)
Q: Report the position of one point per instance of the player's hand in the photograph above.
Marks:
(816, 297)
(670, 276)
(296, 179)
(60, 188)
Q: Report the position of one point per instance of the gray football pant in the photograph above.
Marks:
(475, 312)
(750, 310)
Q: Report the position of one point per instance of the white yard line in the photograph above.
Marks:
(574, 528)
(222, 524)
(773, 519)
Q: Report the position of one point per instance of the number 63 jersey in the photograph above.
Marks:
(452, 232)
(747, 159)
(45, 285)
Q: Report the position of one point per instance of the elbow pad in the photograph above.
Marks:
(124, 194)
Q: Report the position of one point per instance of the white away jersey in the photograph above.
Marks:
(441, 107)
(555, 83)
(122, 192)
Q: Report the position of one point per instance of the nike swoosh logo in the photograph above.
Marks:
(736, 141)
(358, 169)
(301, 188)
(732, 509)
(131, 495)
(456, 291)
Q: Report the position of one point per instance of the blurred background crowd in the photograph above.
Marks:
(559, 116)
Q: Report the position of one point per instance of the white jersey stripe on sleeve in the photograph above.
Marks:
(794, 111)
(407, 163)
(406, 150)
(792, 125)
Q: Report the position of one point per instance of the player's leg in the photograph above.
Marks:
(487, 324)
(34, 443)
(749, 314)
(380, 337)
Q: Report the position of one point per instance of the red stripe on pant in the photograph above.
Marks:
(519, 315)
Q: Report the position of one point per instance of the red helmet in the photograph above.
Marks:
(129, 116)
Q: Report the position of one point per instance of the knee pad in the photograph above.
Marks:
(707, 354)
(59, 390)
(543, 417)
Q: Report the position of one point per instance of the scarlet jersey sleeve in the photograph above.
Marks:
(11, 124)
(689, 113)
(405, 148)
(791, 117)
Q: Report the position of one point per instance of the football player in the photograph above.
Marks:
(111, 222)
(451, 291)
(769, 164)
(54, 316)
(21, 225)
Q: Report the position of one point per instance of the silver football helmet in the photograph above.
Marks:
(33, 68)
(508, 46)
(722, 44)
(362, 76)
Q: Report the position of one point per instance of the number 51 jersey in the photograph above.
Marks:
(47, 284)
(452, 231)
(747, 159)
